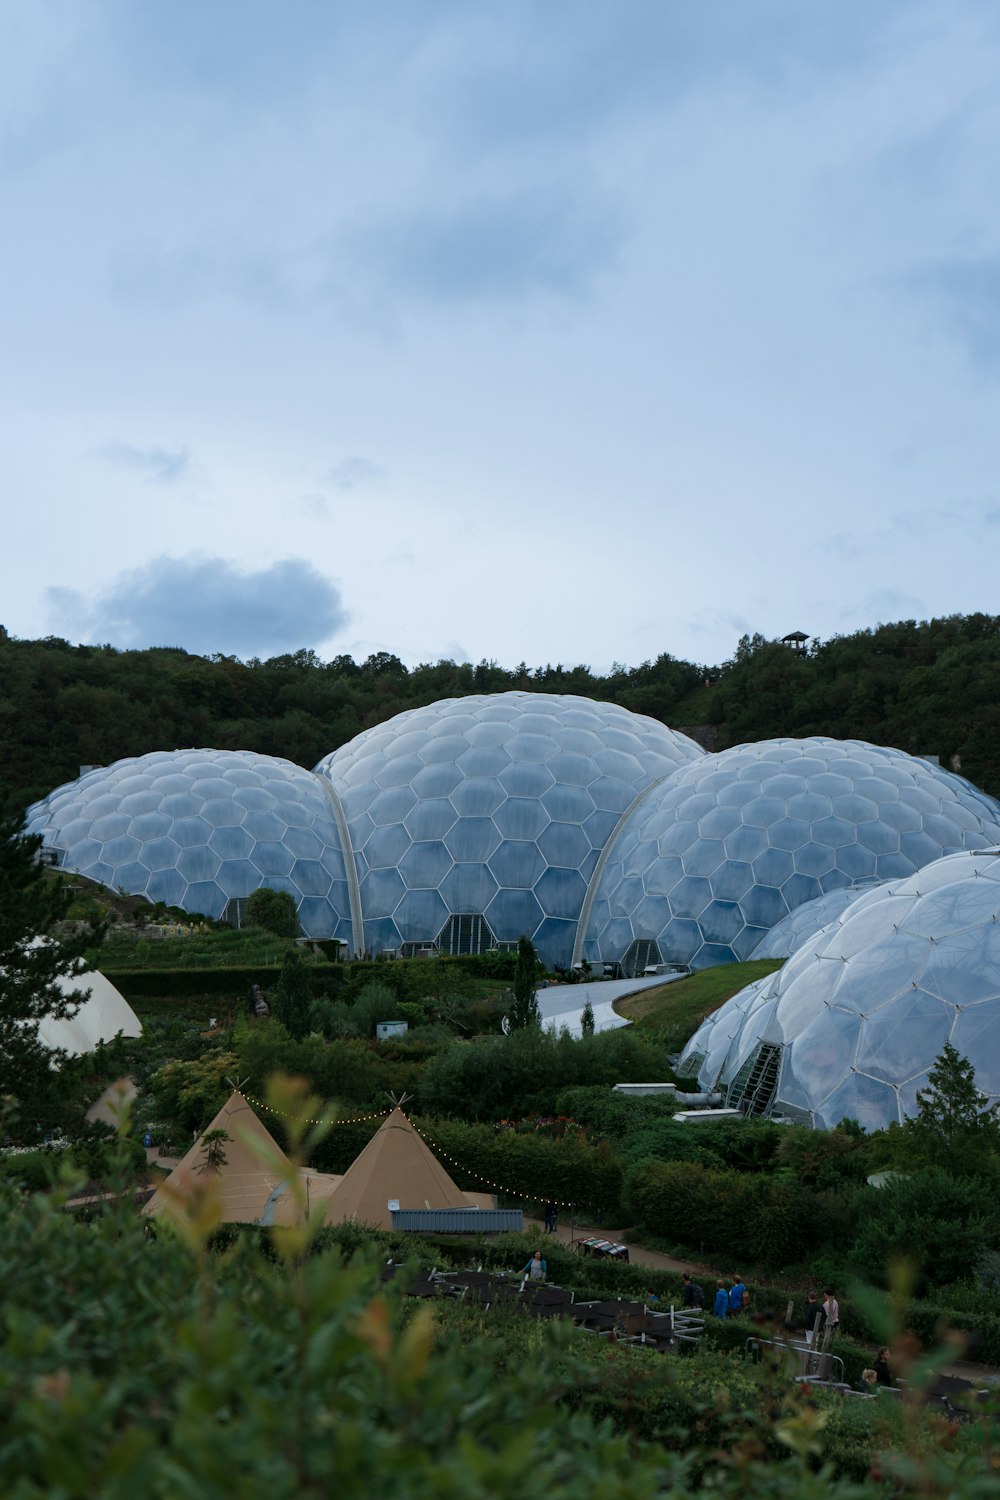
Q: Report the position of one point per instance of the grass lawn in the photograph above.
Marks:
(680, 1007)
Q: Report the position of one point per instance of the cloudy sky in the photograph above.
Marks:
(541, 330)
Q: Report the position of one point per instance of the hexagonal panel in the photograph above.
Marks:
(420, 915)
(425, 864)
(560, 893)
(477, 798)
(472, 840)
(231, 843)
(307, 875)
(468, 889)
(516, 864)
(430, 819)
(513, 912)
(198, 864)
(564, 844)
(521, 818)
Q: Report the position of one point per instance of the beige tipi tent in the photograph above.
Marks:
(396, 1167)
(251, 1190)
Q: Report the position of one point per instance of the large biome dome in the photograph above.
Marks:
(853, 1023)
(474, 820)
(202, 829)
(713, 858)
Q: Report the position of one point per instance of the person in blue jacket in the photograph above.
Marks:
(737, 1293)
(721, 1305)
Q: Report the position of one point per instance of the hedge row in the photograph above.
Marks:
(770, 1218)
(327, 978)
(233, 983)
(530, 1167)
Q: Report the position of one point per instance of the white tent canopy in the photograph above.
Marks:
(102, 1016)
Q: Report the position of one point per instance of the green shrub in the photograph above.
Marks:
(508, 1077)
(941, 1223)
(274, 911)
(31, 1170)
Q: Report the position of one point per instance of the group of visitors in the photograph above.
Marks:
(733, 1301)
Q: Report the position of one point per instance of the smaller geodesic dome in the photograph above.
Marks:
(806, 920)
(711, 859)
(201, 829)
(852, 1024)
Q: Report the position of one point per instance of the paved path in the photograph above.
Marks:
(562, 1004)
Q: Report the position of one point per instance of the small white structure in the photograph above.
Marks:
(638, 1090)
(386, 1029)
(703, 1116)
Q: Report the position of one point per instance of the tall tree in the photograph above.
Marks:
(274, 911)
(954, 1127)
(32, 961)
(292, 998)
(524, 1010)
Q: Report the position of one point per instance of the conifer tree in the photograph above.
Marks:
(954, 1127)
(31, 963)
(524, 1010)
(292, 999)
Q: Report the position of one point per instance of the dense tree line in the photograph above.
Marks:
(932, 688)
(929, 687)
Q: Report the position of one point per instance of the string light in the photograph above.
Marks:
(310, 1120)
(438, 1150)
(511, 1192)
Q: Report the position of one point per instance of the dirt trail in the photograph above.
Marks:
(638, 1256)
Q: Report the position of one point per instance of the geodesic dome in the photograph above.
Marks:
(713, 858)
(853, 1023)
(477, 819)
(806, 920)
(200, 829)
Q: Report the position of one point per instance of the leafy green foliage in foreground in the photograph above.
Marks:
(277, 1368)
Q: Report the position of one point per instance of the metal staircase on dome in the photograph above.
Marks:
(753, 1088)
(642, 954)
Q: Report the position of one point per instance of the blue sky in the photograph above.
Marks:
(541, 331)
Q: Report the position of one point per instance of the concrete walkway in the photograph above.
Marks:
(562, 1004)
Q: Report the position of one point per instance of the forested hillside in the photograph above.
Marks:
(929, 687)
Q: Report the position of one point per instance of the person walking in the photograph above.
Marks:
(814, 1317)
(738, 1296)
(551, 1217)
(691, 1293)
(831, 1310)
(721, 1305)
